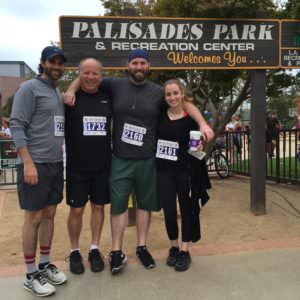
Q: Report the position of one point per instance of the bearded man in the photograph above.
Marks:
(37, 126)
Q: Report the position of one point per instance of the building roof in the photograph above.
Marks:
(15, 62)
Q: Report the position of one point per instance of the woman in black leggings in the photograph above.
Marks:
(173, 165)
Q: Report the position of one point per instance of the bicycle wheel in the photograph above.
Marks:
(209, 162)
(221, 165)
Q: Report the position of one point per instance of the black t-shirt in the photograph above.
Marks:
(88, 131)
(173, 143)
(136, 113)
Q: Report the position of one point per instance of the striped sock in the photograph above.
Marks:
(44, 254)
(30, 263)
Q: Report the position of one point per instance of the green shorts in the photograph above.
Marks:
(138, 175)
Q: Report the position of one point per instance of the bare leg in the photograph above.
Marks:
(75, 225)
(97, 219)
(143, 218)
(273, 145)
(47, 226)
(174, 243)
(118, 225)
(31, 225)
(185, 246)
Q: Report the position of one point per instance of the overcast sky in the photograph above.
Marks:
(27, 26)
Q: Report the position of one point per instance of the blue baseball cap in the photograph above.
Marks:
(138, 53)
(50, 51)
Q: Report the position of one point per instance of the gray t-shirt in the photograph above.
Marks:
(136, 110)
(37, 120)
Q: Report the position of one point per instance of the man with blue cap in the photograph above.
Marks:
(137, 103)
(37, 126)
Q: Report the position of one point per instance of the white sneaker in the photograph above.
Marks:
(38, 285)
(51, 274)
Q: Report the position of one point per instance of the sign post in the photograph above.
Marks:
(258, 143)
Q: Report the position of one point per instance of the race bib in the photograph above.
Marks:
(133, 135)
(94, 126)
(167, 150)
(59, 126)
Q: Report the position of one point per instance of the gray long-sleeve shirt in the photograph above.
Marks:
(37, 120)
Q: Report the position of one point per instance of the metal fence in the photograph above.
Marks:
(8, 156)
(8, 176)
(282, 154)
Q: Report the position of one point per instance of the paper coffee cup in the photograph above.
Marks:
(195, 140)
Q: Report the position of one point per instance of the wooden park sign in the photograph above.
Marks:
(173, 43)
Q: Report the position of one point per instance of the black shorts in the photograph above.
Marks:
(48, 190)
(87, 185)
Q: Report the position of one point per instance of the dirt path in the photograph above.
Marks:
(226, 219)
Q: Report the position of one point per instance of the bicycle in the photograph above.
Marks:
(217, 161)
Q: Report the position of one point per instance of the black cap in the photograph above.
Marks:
(138, 53)
(51, 51)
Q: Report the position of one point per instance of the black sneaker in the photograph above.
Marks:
(145, 257)
(96, 260)
(171, 259)
(117, 259)
(183, 261)
(76, 262)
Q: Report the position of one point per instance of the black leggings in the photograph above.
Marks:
(170, 185)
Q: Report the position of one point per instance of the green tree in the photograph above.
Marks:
(291, 9)
(214, 8)
(117, 7)
(66, 79)
(6, 110)
(283, 103)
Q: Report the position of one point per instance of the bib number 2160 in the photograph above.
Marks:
(133, 134)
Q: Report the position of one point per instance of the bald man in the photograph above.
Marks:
(88, 149)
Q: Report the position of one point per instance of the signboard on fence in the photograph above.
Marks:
(173, 43)
(290, 43)
(8, 154)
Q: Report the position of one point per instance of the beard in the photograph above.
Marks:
(138, 76)
(52, 74)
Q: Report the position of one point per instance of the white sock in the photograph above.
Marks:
(92, 247)
(75, 249)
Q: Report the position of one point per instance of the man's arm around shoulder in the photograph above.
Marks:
(195, 114)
